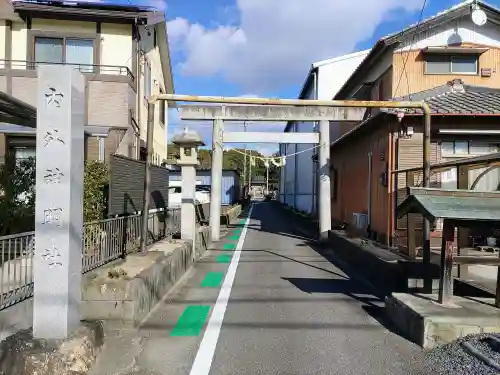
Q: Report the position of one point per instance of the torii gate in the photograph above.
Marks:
(260, 109)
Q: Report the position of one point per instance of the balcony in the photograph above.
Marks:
(110, 90)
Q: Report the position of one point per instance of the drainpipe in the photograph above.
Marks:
(139, 98)
(427, 183)
(369, 200)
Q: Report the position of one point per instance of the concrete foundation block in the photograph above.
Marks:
(130, 299)
(429, 324)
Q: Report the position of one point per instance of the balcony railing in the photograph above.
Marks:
(84, 68)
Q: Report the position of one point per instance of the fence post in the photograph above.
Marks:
(410, 221)
(445, 277)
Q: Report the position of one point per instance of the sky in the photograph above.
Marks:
(264, 48)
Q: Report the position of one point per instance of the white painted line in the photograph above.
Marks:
(206, 351)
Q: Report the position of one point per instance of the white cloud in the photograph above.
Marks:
(275, 41)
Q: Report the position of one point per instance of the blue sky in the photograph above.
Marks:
(265, 47)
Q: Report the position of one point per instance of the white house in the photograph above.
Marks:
(325, 78)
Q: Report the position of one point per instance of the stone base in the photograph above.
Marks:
(427, 323)
(128, 299)
(21, 354)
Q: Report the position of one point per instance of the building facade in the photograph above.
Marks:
(122, 52)
(325, 78)
(451, 64)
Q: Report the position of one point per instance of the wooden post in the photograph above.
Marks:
(410, 221)
(462, 232)
(446, 277)
(497, 292)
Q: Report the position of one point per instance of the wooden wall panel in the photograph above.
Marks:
(414, 80)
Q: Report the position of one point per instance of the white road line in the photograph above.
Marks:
(206, 351)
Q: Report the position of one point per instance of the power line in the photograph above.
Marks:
(409, 48)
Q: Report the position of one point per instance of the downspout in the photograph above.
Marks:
(427, 183)
(314, 201)
(369, 200)
(391, 188)
(138, 94)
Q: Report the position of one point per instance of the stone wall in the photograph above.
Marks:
(128, 298)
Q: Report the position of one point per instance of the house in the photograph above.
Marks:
(454, 66)
(323, 81)
(123, 52)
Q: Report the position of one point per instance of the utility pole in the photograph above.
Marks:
(250, 171)
(267, 176)
(245, 161)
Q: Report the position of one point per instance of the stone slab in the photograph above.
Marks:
(429, 324)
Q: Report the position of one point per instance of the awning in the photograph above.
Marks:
(15, 111)
(97, 131)
(455, 50)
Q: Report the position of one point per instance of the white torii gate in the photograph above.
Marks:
(220, 113)
(261, 109)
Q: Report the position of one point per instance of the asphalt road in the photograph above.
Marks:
(290, 311)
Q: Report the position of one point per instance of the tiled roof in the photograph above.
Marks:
(454, 98)
(459, 99)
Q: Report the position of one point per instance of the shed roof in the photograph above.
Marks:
(432, 205)
(451, 99)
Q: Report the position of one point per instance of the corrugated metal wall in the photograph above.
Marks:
(230, 193)
(126, 186)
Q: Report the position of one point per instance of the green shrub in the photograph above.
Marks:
(17, 198)
(96, 180)
(17, 194)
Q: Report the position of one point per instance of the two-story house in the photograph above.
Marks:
(121, 50)
(323, 81)
(451, 63)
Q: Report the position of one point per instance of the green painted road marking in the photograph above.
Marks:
(242, 221)
(224, 258)
(234, 238)
(229, 246)
(191, 321)
(237, 232)
(212, 280)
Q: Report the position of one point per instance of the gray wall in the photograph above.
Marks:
(126, 186)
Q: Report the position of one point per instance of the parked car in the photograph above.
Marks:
(175, 193)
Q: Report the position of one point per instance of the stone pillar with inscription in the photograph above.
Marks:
(59, 201)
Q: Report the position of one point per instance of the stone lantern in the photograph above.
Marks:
(188, 142)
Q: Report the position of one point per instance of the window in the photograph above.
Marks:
(448, 64)
(466, 148)
(65, 50)
(147, 79)
(24, 153)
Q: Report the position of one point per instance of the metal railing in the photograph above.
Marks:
(83, 68)
(103, 242)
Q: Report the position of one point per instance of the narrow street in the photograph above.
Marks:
(290, 311)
